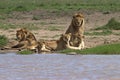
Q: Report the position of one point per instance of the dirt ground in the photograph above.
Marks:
(62, 22)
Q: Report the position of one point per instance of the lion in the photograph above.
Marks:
(26, 40)
(54, 45)
(76, 27)
(61, 44)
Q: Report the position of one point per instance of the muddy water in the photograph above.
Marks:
(59, 67)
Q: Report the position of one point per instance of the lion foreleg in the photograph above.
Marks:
(72, 47)
(82, 45)
(44, 48)
(76, 48)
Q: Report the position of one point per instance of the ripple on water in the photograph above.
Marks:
(59, 67)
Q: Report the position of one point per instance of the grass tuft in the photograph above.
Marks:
(103, 49)
(112, 24)
(53, 28)
(20, 8)
(3, 40)
(25, 52)
(103, 32)
(36, 17)
(6, 26)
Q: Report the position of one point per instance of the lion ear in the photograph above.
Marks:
(81, 15)
(24, 29)
(75, 15)
(21, 29)
(25, 32)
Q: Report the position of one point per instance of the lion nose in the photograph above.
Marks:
(77, 22)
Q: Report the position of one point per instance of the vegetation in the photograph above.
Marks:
(3, 40)
(7, 26)
(112, 24)
(25, 52)
(53, 28)
(58, 6)
(7, 6)
(36, 17)
(103, 32)
(103, 49)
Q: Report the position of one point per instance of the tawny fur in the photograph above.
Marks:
(76, 27)
(26, 40)
(80, 40)
(54, 45)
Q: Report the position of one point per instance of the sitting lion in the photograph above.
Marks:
(76, 27)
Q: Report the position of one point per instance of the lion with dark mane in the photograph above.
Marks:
(26, 40)
(23, 34)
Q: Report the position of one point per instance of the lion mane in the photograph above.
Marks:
(23, 34)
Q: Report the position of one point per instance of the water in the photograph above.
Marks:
(59, 67)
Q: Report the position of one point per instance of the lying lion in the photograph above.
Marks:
(62, 43)
(53, 45)
(26, 40)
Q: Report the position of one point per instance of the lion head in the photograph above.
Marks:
(77, 20)
(23, 34)
(20, 34)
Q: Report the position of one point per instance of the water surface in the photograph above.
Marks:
(59, 67)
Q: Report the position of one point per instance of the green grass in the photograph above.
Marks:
(103, 49)
(2, 17)
(103, 32)
(112, 25)
(25, 52)
(7, 6)
(36, 17)
(56, 36)
(3, 40)
(53, 28)
(7, 26)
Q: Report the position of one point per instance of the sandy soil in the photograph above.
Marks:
(62, 22)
